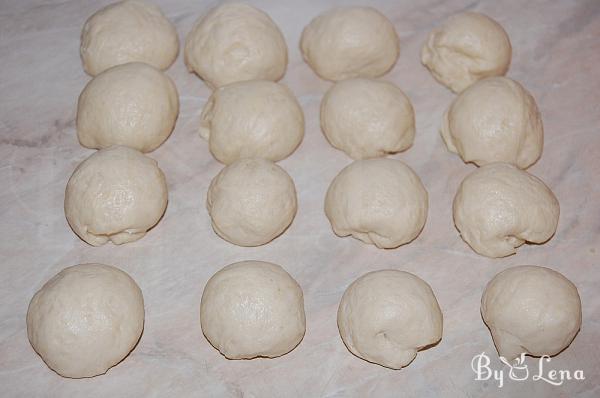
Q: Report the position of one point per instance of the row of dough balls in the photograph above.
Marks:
(255, 309)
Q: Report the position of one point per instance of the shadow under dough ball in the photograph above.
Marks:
(86, 319)
(386, 316)
(253, 309)
(128, 31)
(116, 194)
(378, 201)
(532, 310)
(235, 42)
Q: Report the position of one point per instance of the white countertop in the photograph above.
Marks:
(556, 53)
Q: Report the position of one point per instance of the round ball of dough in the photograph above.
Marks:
(531, 309)
(467, 47)
(86, 319)
(350, 42)
(379, 201)
(135, 105)
(494, 120)
(386, 316)
(128, 31)
(498, 208)
(252, 309)
(251, 202)
(235, 42)
(257, 118)
(116, 194)
(367, 118)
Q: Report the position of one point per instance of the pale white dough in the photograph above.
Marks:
(86, 319)
(386, 316)
(498, 207)
(494, 120)
(135, 105)
(257, 118)
(235, 42)
(532, 310)
(367, 118)
(128, 31)
(349, 42)
(251, 202)
(116, 194)
(252, 309)
(467, 47)
(379, 201)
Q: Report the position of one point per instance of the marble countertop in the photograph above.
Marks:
(556, 53)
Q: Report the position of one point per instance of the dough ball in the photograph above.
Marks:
(367, 118)
(386, 316)
(252, 309)
(349, 42)
(498, 208)
(531, 309)
(251, 202)
(467, 47)
(494, 120)
(379, 201)
(128, 31)
(134, 105)
(86, 319)
(116, 194)
(235, 42)
(257, 118)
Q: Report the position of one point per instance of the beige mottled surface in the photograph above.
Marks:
(556, 56)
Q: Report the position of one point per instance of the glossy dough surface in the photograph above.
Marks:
(531, 309)
(386, 316)
(253, 309)
(86, 319)
(116, 194)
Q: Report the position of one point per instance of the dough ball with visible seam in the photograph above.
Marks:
(494, 120)
(253, 309)
(347, 42)
(498, 207)
(367, 118)
(378, 201)
(128, 31)
(135, 105)
(86, 319)
(532, 310)
(235, 42)
(256, 118)
(386, 316)
(116, 194)
(251, 202)
(466, 48)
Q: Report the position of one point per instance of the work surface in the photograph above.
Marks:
(556, 53)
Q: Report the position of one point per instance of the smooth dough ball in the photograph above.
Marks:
(494, 120)
(257, 118)
(531, 309)
(350, 42)
(128, 31)
(135, 105)
(386, 316)
(252, 309)
(116, 194)
(251, 202)
(498, 208)
(379, 201)
(466, 48)
(235, 42)
(86, 319)
(367, 118)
